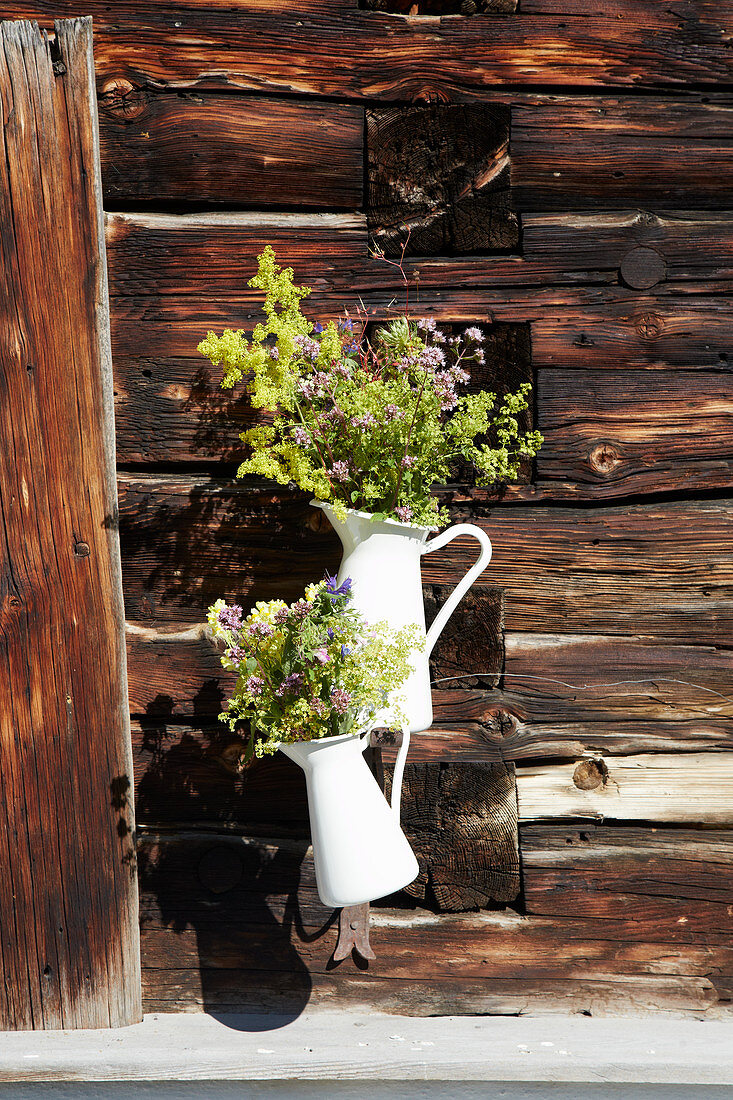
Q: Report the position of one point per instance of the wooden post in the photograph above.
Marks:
(69, 941)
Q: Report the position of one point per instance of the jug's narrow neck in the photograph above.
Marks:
(358, 527)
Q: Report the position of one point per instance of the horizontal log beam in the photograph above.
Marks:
(577, 154)
(229, 149)
(346, 51)
(641, 569)
(217, 930)
(694, 789)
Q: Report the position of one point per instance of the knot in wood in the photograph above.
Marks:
(590, 774)
(469, 7)
(81, 549)
(645, 219)
(123, 99)
(642, 268)
(649, 326)
(604, 458)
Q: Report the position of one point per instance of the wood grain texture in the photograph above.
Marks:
(68, 896)
(429, 197)
(231, 921)
(693, 789)
(237, 151)
(186, 775)
(608, 433)
(577, 154)
(461, 821)
(343, 51)
(678, 881)
(617, 570)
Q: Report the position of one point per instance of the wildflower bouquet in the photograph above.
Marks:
(309, 670)
(366, 425)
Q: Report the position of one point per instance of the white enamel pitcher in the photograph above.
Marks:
(382, 557)
(359, 849)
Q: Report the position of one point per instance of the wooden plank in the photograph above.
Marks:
(692, 245)
(609, 433)
(606, 327)
(677, 881)
(344, 51)
(161, 254)
(641, 569)
(186, 775)
(694, 789)
(239, 151)
(68, 902)
(218, 929)
(213, 254)
(632, 151)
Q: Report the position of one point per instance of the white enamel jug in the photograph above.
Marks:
(382, 557)
(359, 849)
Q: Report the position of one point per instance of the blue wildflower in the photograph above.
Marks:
(345, 651)
(333, 589)
(318, 328)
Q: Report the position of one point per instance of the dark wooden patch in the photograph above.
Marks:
(68, 898)
(471, 647)
(187, 775)
(442, 7)
(439, 180)
(461, 820)
(242, 152)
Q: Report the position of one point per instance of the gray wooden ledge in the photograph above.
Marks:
(328, 1053)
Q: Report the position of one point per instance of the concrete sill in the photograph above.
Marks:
(328, 1053)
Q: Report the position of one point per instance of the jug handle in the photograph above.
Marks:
(399, 768)
(463, 585)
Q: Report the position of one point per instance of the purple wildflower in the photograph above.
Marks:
(275, 353)
(404, 513)
(307, 346)
(281, 616)
(408, 462)
(339, 471)
(301, 435)
(261, 630)
(340, 698)
(365, 421)
(346, 325)
(426, 324)
(236, 654)
(393, 412)
(322, 655)
(301, 609)
(230, 618)
(290, 684)
(474, 333)
(254, 685)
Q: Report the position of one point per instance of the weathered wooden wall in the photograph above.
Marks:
(567, 172)
(69, 943)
